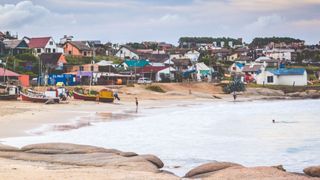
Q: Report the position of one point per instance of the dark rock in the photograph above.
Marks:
(280, 167)
(153, 159)
(210, 167)
(313, 171)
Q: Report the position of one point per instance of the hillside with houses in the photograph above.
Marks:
(264, 61)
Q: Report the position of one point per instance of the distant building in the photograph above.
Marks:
(53, 60)
(126, 52)
(14, 47)
(280, 54)
(283, 76)
(77, 48)
(41, 45)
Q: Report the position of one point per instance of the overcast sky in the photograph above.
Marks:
(161, 20)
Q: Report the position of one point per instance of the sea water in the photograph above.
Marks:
(187, 136)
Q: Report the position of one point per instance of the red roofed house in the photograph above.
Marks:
(42, 45)
(157, 73)
(77, 48)
(7, 75)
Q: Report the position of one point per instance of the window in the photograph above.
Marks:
(70, 52)
(85, 53)
(53, 50)
(270, 79)
(38, 50)
(51, 43)
(81, 68)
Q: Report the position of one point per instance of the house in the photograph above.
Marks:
(130, 64)
(251, 71)
(126, 52)
(42, 45)
(182, 64)
(204, 73)
(233, 57)
(53, 60)
(15, 46)
(267, 61)
(156, 73)
(283, 76)
(193, 55)
(280, 54)
(236, 67)
(77, 48)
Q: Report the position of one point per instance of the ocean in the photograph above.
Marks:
(185, 136)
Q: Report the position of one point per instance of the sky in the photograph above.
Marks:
(121, 21)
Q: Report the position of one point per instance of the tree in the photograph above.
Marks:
(234, 86)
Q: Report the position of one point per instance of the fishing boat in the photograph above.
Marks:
(86, 97)
(9, 93)
(106, 95)
(37, 98)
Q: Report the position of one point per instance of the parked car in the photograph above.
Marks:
(144, 80)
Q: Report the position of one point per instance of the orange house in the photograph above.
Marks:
(77, 48)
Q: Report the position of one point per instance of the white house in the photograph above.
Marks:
(281, 54)
(42, 45)
(193, 55)
(203, 72)
(126, 52)
(167, 72)
(236, 67)
(283, 76)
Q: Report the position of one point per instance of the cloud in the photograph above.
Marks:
(25, 12)
(266, 22)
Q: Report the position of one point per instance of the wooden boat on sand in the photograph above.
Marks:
(104, 95)
(9, 93)
(38, 98)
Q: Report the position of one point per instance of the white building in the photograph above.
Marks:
(43, 45)
(283, 76)
(281, 54)
(126, 52)
(203, 72)
(193, 55)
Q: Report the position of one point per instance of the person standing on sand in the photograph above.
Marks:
(137, 104)
(234, 95)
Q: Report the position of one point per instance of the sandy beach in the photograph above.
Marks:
(18, 118)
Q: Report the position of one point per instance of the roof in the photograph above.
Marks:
(14, 43)
(181, 62)
(148, 69)
(6, 72)
(202, 66)
(136, 63)
(156, 57)
(250, 68)
(129, 48)
(82, 46)
(50, 58)
(240, 65)
(40, 42)
(285, 71)
(105, 63)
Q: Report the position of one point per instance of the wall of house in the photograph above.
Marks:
(193, 55)
(51, 46)
(69, 49)
(124, 52)
(298, 80)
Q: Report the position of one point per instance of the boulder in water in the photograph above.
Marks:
(313, 171)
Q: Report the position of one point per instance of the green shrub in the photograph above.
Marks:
(235, 85)
(155, 88)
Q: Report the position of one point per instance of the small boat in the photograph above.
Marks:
(37, 98)
(9, 93)
(104, 95)
(80, 96)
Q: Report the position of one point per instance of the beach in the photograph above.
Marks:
(63, 122)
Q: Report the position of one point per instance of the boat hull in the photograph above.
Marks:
(84, 97)
(108, 100)
(26, 97)
(8, 97)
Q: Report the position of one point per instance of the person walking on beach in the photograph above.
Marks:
(234, 95)
(137, 104)
(115, 94)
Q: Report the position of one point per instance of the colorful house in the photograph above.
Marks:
(283, 76)
(204, 73)
(42, 45)
(53, 60)
(157, 73)
(132, 63)
(77, 48)
(15, 46)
